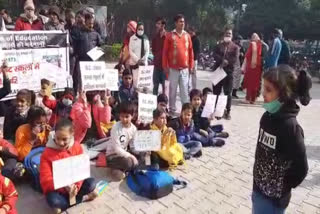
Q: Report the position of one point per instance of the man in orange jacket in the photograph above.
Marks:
(178, 61)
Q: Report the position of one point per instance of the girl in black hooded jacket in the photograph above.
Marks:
(280, 159)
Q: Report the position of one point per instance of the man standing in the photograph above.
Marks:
(196, 51)
(54, 20)
(178, 61)
(275, 50)
(285, 53)
(226, 54)
(159, 76)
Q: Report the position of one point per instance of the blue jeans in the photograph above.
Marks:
(263, 205)
(191, 147)
(59, 201)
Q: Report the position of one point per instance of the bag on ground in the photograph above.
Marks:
(152, 184)
(32, 164)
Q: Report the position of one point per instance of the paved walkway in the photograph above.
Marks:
(219, 182)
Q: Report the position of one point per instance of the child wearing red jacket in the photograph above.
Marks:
(8, 153)
(60, 108)
(62, 145)
(8, 195)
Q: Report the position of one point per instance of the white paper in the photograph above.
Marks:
(95, 53)
(218, 75)
(112, 79)
(147, 104)
(147, 141)
(95, 76)
(70, 170)
(145, 77)
(221, 105)
(209, 107)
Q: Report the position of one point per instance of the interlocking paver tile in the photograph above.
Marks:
(219, 182)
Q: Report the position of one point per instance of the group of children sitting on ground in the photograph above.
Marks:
(63, 123)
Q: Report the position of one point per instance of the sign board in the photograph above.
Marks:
(147, 104)
(145, 141)
(68, 171)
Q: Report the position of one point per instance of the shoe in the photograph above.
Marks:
(91, 196)
(235, 96)
(222, 135)
(198, 154)
(227, 116)
(219, 143)
(187, 156)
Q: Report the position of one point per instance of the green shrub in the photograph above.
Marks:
(112, 53)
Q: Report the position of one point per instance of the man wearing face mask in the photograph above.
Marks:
(226, 55)
(28, 20)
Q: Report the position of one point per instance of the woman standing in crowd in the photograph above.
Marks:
(139, 48)
(124, 55)
(28, 20)
(252, 68)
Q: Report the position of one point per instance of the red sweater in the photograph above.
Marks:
(8, 194)
(51, 154)
(23, 24)
(177, 51)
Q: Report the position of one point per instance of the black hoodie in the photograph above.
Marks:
(280, 159)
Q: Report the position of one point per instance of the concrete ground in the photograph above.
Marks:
(219, 182)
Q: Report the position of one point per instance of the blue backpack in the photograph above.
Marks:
(152, 184)
(32, 164)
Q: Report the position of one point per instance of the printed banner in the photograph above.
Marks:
(96, 77)
(147, 104)
(33, 55)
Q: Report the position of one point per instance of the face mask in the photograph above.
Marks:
(272, 107)
(66, 102)
(227, 39)
(140, 32)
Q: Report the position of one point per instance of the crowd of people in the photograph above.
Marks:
(63, 123)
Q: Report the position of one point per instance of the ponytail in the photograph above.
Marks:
(304, 84)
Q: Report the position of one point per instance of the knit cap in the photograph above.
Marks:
(29, 4)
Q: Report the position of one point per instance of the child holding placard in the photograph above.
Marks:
(127, 93)
(8, 195)
(46, 88)
(33, 134)
(62, 145)
(17, 115)
(119, 160)
(88, 113)
(202, 124)
(185, 132)
(60, 108)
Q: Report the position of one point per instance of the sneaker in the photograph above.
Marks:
(91, 196)
(219, 143)
(227, 116)
(235, 96)
(222, 135)
(187, 156)
(19, 170)
(198, 154)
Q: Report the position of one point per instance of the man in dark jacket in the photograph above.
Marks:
(159, 76)
(196, 52)
(226, 55)
(83, 41)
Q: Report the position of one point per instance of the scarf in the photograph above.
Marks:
(143, 37)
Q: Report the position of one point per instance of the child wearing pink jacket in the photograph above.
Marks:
(87, 107)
